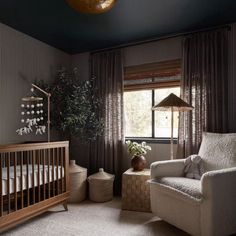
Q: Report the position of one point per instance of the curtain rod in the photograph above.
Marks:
(227, 26)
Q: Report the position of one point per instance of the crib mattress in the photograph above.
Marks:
(32, 182)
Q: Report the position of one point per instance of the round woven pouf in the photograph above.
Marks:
(78, 183)
(101, 186)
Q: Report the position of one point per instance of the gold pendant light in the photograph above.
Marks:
(91, 6)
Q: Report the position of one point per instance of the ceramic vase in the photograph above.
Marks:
(138, 163)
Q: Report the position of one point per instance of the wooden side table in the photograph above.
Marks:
(136, 190)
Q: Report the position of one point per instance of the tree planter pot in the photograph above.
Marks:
(138, 163)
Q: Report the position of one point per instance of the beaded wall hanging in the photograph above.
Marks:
(32, 114)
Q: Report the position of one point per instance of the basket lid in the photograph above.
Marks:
(73, 168)
(102, 175)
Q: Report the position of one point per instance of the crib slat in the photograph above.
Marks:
(62, 167)
(1, 198)
(21, 179)
(57, 161)
(44, 189)
(27, 175)
(15, 179)
(66, 168)
(33, 180)
(8, 182)
(38, 157)
(53, 177)
(48, 157)
(64, 160)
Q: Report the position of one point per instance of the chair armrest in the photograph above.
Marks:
(218, 208)
(218, 183)
(170, 168)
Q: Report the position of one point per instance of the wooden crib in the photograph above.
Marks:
(33, 178)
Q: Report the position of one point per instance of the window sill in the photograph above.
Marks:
(151, 140)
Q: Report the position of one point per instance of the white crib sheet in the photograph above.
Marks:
(30, 177)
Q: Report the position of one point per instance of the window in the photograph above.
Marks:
(140, 95)
(138, 116)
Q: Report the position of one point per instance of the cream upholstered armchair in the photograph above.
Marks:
(205, 207)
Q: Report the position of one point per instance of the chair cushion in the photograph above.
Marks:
(218, 151)
(191, 187)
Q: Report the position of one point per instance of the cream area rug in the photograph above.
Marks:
(95, 219)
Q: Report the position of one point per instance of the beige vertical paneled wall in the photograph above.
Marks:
(22, 59)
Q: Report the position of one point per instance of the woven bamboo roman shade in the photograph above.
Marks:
(153, 75)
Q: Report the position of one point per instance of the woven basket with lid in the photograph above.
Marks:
(101, 186)
(78, 183)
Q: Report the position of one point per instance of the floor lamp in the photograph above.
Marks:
(172, 103)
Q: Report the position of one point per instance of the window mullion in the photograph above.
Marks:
(153, 114)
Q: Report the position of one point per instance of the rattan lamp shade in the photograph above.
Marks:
(172, 103)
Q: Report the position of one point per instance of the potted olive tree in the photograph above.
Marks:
(75, 107)
(137, 152)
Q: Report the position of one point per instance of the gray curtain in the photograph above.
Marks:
(204, 86)
(107, 151)
(232, 79)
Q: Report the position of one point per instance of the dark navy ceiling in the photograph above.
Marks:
(54, 22)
